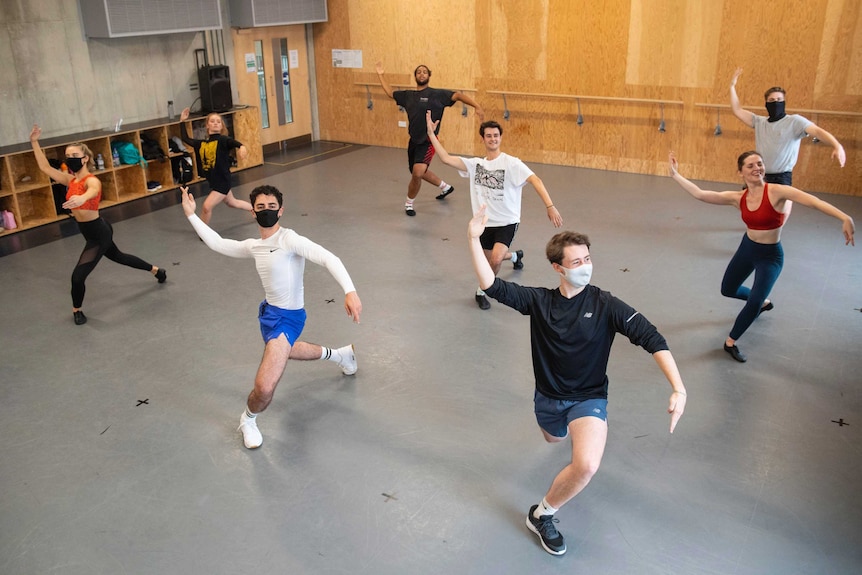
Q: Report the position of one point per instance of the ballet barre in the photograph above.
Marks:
(579, 97)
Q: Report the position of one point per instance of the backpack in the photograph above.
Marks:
(151, 149)
(181, 166)
(128, 153)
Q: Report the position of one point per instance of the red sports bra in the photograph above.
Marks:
(79, 188)
(763, 218)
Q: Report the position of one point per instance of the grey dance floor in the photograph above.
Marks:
(121, 455)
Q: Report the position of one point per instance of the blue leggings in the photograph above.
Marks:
(766, 261)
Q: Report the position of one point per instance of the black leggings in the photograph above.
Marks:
(100, 242)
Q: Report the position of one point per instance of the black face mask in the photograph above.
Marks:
(776, 111)
(75, 164)
(266, 218)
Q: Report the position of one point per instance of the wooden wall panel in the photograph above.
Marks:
(679, 50)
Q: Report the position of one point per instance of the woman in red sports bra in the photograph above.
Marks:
(764, 209)
(82, 198)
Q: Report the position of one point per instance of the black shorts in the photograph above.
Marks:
(419, 153)
(502, 235)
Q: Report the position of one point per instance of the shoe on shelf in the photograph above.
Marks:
(80, 318)
(348, 360)
(408, 209)
(519, 265)
(251, 436)
(446, 192)
(483, 301)
(735, 353)
(550, 538)
(161, 275)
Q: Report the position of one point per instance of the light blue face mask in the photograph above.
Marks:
(578, 277)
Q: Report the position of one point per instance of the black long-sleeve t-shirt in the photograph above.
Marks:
(571, 338)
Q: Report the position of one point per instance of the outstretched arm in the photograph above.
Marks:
(806, 199)
(667, 364)
(480, 262)
(444, 156)
(821, 134)
(184, 129)
(210, 237)
(553, 213)
(744, 116)
(42, 161)
(710, 197)
(462, 97)
(383, 81)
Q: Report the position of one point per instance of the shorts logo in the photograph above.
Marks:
(588, 315)
(596, 410)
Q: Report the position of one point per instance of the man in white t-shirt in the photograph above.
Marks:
(496, 181)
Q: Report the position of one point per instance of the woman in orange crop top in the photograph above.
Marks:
(764, 209)
(82, 198)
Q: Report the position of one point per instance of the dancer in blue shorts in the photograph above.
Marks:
(279, 256)
(572, 328)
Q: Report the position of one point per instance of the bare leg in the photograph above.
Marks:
(275, 356)
(214, 199)
(589, 436)
(233, 202)
(496, 256)
(431, 177)
(419, 171)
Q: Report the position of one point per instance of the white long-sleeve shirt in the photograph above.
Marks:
(280, 261)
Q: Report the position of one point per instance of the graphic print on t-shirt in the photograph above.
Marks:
(491, 182)
(208, 155)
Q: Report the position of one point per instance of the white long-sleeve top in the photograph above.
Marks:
(280, 261)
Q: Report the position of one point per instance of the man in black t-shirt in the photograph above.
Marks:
(572, 329)
(420, 151)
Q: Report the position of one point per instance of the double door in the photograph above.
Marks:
(272, 64)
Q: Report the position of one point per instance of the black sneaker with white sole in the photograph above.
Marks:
(446, 192)
(551, 539)
(408, 209)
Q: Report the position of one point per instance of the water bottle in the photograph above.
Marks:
(116, 158)
(170, 109)
(100, 162)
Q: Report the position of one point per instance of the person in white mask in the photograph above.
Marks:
(572, 328)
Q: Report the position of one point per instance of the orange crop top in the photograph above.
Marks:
(763, 218)
(79, 188)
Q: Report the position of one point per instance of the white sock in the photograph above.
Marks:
(248, 414)
(514, 257)
(479, 291)
(443, 185)
(334, 355)
(409, 202)
(544, 509)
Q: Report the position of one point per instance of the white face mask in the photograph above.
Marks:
(578, 277)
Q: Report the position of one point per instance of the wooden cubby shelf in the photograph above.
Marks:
(30, 196)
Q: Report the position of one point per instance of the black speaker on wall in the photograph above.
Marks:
(214, 83)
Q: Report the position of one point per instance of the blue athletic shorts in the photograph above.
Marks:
(554, 415)
(275, 321)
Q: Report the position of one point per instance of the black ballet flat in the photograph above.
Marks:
(767, 307)
(735, 353)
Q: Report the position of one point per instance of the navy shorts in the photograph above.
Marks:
(420, 153)
(275, 321)
(554, 415)
(500, 235)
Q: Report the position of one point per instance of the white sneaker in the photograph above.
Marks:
(348, 360)
(250, 433)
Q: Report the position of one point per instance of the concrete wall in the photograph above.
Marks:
(54, 76)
